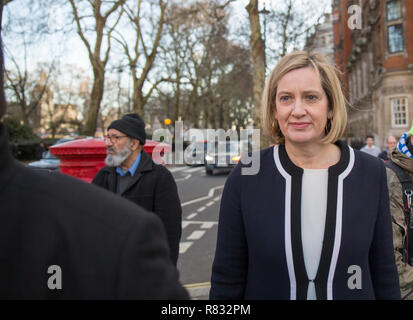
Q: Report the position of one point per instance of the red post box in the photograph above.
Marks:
(84, 158)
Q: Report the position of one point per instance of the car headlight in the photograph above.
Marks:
(236, 158)
(209, 158)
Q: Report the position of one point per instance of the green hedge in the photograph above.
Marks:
(26, 140)
(19, 133)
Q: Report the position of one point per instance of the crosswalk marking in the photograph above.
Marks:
(207, 225)
(192, 215)
(198, 222)
(183, 246)
(201, 209)
(210, 203)
(196, 235)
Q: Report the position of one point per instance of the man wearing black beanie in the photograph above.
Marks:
(132, 174)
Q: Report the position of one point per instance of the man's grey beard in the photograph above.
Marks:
(115, 160)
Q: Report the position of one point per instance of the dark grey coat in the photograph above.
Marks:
(105, 246)
(152, 187)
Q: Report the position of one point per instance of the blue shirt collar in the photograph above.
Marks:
(132, 169)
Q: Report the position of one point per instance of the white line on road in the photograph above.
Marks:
(177, 169)
(184, 178)
(183, 246)
(191, 215)
(207, 225)
(186, 222)
(196, 235)
(217, 198)
(194, 170)
(210, 195)
(210, 203)
(201, 209)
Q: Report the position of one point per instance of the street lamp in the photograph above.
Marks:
(264, 11)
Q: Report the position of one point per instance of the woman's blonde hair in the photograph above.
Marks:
(330, 83)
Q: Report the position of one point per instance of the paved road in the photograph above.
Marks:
(200, 197)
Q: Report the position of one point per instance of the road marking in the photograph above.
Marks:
(210, 195)
(191, 215)
(186, 222)
(176, 169)
(184, 178)
(207, 225)
(210, 203)
(217, 198)
(183, 246)
(193, 170)
(196, 235)
(201, 209)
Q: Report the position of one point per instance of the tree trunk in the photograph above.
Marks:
(137, 98)
(95, 100)
(258, 64)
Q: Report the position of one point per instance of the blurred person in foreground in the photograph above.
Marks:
(399, 181)
(61, 238)
(314, 223)
(132, 174)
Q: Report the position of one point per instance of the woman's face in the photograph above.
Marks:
(302, 107)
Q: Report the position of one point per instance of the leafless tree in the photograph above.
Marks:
(200, 61)
(141, 50)
(258, 63)
(27, 90)
(95, 22)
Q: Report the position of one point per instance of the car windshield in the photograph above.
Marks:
(48, 155)
(230, 146)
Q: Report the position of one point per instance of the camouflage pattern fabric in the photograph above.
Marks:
(398, 222)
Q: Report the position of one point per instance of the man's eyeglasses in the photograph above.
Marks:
(113, 138)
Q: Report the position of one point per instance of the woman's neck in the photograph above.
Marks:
(314, 156)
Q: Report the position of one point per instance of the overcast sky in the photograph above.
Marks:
(74, 51)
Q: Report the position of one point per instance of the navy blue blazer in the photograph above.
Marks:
(259, 252)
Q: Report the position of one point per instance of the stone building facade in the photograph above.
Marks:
(376, 62)
(322, 39)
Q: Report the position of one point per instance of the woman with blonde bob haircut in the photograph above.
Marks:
(314, 222)
(329, 82)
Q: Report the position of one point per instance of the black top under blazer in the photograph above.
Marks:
(259, 252)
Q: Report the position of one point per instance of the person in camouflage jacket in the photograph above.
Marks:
(399, 225)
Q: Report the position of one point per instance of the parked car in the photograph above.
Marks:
(225, 157)
(48, 161)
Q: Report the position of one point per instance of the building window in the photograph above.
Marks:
(394, 10)
(395, 38)
(399, 112)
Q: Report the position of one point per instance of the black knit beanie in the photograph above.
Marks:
(132, 125)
